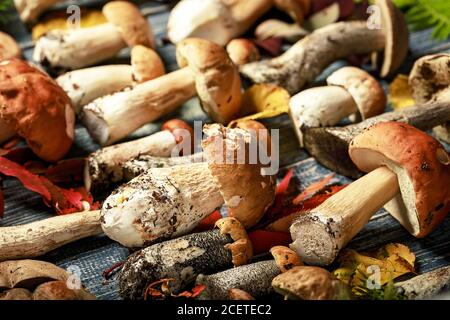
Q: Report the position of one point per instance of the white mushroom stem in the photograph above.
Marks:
(105, 166)
(111, 118)
(160, 204)
(30, 10)
(319, 235)
(85, 85)
(291, 32)
(37, 238)
(320, 107)
(78, 48)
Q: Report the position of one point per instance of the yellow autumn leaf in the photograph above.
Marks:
(400, 93)
(263, 101)
(58, 20)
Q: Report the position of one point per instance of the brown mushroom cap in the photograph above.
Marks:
(246, 192)
(8, 47)
(367, 92)
(34, 106)
(297, 9)
(396, 35)
(133, 27)
(217, 79)
(430, 78)
(422, 166)
(58, 290)
(242, 51)
(146, 64)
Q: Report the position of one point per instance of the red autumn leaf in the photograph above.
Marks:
(284, 184)
(208, 222)
(346, 8)
(191, 294)
(263, 240)
(19, 155)
(70, 170)
(311, 189)
(280, 194)
(2, 203)
(270, 45)
(35, 166)
(11, 143)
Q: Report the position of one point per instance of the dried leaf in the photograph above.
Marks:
(263, 240)
(272, 45)
(66, 171)
(164, 290)
(262, 101)
(311, 189)
(400, 93)
(209, 222)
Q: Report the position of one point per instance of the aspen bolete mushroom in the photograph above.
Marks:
(169, 202)
(216, 20)
(242, 51)
(350, 91)
(206, 70)
(36, 108)
(78, 48)
(304, 61)
(8, 47)
(430, 82)
(88, 84)
(408, 174)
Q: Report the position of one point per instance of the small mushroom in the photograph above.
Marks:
(169, 202)
(36, 108)
(215, 20)
(408, 175)
(205, 69)
(88, 84)
(304, 61)
(8, 47)
(30, 10)
(310, 283)
(430, 82)
(242, 51)
(238, 294)
(79, 48)
(350, 90)
(105, 167)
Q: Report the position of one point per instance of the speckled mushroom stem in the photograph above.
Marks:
(111, 118)
(139, 165)
(182, 259)
(78, 48)
(105, 167)
(37, 238)
(305, 60)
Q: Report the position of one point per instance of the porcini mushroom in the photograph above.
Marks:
(297, 9)
(169, 202)
(182, 259)
(30, 10)
(105, 167)
(36, 108)
(85, 85)
(215, 20)
(305, 60)
(430, 81)
(205, 69)
(408, 174)
(350, 90)
(78, 48)
(242, 51)
(8, 47)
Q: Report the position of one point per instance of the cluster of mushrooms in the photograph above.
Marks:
(158, 199)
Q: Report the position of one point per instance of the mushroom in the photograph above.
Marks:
(273, 28)
(8, 47)
(183, 258)
(205, 69)
(78, 48)
(310, 283)
(37, 280)
(350, 90)
(408, 174)
(242, 51)
(215, 20)
(430, 81)
(254, 278)
(32, 239)
(105, 167)
(168, 202)
(30, 10)
(304, 61)
(88, 84)
(297, 9)
(36, 108)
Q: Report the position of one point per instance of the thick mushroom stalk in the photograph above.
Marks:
(409, 174)
(350, 91)
(32, 239)
(30, 10)
(214, 20)
(169, 202)
(78, 48)
(305, 60)
(206, 70)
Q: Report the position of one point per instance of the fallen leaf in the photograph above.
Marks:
(272, 45)
(209, 222)
(164, 291)
(400, 93)
(66, 171)
(311, 189)
(262, 101)
(263, 240)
